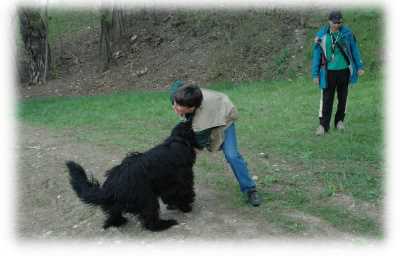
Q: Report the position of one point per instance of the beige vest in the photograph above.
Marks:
(216, 111)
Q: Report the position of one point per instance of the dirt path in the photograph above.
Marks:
(49, 209)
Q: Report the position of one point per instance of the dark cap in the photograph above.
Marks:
(335, 16)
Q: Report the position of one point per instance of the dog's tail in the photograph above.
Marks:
(88, 191)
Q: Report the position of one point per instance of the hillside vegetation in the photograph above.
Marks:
(203, 46)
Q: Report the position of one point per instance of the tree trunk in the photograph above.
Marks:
(118, 24)
(47, 49)
(105, 38)
(34, 35)
(112, 30)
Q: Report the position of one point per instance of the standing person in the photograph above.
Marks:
(213, 115)
(336, 63)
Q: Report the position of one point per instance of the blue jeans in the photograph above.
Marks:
(236, 161)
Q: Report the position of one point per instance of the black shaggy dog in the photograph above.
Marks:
(135, 185)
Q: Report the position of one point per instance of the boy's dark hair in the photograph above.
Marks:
(189, 96)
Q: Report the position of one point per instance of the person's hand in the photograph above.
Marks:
(360, 72)
(316, 80)
(182, 110)
(176, 110)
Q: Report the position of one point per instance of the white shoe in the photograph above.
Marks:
(340, 125)
(320, 131)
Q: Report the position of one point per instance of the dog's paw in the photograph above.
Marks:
(171, 222)
(161, 225)
(115, 222)
(185, 208)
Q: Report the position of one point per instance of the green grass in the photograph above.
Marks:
(64, 22)
(276, 118)
(123, 118)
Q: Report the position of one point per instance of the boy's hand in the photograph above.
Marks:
(182, 110)
(176, 110)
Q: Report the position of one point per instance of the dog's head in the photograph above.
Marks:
(183, 130)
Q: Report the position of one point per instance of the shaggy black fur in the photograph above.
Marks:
(135, 185)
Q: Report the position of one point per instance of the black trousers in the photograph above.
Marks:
(338, 80)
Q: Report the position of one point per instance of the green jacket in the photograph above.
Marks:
(215, 113)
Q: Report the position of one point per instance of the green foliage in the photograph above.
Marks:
(251, 42)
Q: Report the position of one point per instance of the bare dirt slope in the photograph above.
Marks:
(160, 47)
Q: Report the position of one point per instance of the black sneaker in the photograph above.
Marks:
(253, 198)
